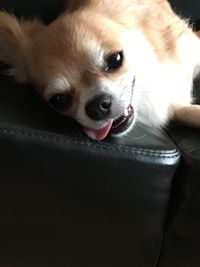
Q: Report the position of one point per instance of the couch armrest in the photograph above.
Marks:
(66, 198)
(182, 243)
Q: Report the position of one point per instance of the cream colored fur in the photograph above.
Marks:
(160, 49)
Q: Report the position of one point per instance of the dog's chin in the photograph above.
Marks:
(116, 127)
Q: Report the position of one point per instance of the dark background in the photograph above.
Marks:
(47, 9)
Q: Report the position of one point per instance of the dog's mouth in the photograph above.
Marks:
(117, 126)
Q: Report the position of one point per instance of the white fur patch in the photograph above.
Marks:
(56, 86)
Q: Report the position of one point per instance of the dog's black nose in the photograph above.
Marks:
(99, 107)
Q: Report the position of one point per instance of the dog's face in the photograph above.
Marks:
(85, 65)
(86, 72)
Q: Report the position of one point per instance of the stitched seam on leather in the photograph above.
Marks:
(53, 137)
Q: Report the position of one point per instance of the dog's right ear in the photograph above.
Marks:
(15, 41)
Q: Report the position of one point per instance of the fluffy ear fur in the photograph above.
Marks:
(15, 41)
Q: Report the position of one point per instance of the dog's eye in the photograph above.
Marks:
(114, 61)
(60, 102)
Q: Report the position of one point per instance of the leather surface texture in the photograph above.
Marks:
(182, 239)
(66, 199)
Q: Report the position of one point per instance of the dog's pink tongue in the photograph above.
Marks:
(98, 134)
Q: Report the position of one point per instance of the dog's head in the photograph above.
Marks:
(91, 62)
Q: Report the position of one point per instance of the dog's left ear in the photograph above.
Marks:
(15, 42)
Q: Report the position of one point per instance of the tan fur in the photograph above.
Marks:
(15, 38)
(198, 33)
(87, 31)
(144, 14)
(189, 115)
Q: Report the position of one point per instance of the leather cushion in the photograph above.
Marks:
(67, 199)
(182, 239)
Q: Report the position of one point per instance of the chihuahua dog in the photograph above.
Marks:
(108, 63)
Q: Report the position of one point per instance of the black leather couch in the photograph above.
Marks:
(68, 201)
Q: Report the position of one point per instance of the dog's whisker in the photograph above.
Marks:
(74, 63)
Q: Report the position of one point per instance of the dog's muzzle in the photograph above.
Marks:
(99, 108)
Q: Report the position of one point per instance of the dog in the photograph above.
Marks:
(108, 64)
